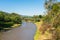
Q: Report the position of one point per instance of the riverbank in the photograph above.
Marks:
(14, 26)
(38, 24)
(48, 35)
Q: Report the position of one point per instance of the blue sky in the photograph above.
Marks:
(23, 7)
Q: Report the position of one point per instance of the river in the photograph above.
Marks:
(25, 32)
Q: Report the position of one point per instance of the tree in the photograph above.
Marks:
(49, 4)
(7, 19)
(40, 16)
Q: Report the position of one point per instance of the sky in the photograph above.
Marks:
(23, 7)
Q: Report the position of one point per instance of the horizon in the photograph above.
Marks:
(23, 7)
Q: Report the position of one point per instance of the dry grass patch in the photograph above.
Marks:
(38, 24)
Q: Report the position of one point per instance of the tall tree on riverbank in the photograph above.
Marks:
(52, 19)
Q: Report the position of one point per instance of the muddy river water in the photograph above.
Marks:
(25, 32)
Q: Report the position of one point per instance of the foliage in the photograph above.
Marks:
(52, 19)
(8, 19)
(37, 18)
(34, 18)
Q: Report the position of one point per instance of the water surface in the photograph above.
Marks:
(25, 32)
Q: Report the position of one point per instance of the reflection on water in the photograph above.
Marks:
(24, 32)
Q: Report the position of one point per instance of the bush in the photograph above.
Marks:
(7, 20)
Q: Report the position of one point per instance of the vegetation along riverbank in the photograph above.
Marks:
(48, 25)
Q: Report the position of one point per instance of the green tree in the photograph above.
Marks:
(49, 4)
(8, 19)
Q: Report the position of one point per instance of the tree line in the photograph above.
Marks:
(8, 19)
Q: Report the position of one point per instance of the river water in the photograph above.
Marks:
(25, 32)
